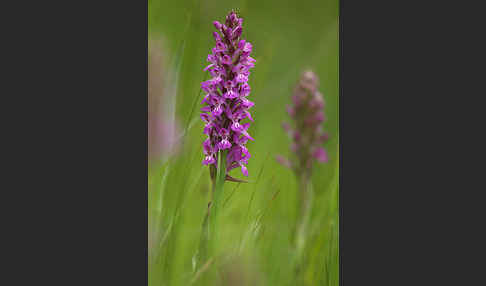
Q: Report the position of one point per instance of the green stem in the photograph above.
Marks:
(208, 240)
(218, 185)
(304, 210)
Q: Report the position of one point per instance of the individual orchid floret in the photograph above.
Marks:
(306, 112)
(225, 102)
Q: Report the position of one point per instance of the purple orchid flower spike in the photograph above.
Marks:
(306, 131)
(225, 102)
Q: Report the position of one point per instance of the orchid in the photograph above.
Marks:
(306, 131)
(307, 136)
(226, 103)
(225, 114)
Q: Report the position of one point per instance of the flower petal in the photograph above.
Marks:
(321, 155)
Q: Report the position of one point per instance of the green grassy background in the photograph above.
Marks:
(257, 219)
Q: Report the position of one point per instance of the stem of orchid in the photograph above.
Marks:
(208, 239)
(305, 206)
(217, 192)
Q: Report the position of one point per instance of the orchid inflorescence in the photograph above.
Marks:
(225, 101)
(306, 133)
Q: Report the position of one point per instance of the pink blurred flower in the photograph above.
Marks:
(306, 112)
(162, 129)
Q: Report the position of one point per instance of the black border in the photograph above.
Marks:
(81, 142)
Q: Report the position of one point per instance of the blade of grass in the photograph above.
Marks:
(231, 195)
(171, 238)
(240, 247)
(194, 103)
(255, 186)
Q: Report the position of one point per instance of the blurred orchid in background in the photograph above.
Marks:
(306, 131)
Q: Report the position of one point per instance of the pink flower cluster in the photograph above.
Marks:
(226, 103)
(306, 133)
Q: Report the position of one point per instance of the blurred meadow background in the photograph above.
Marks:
(256, 245)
